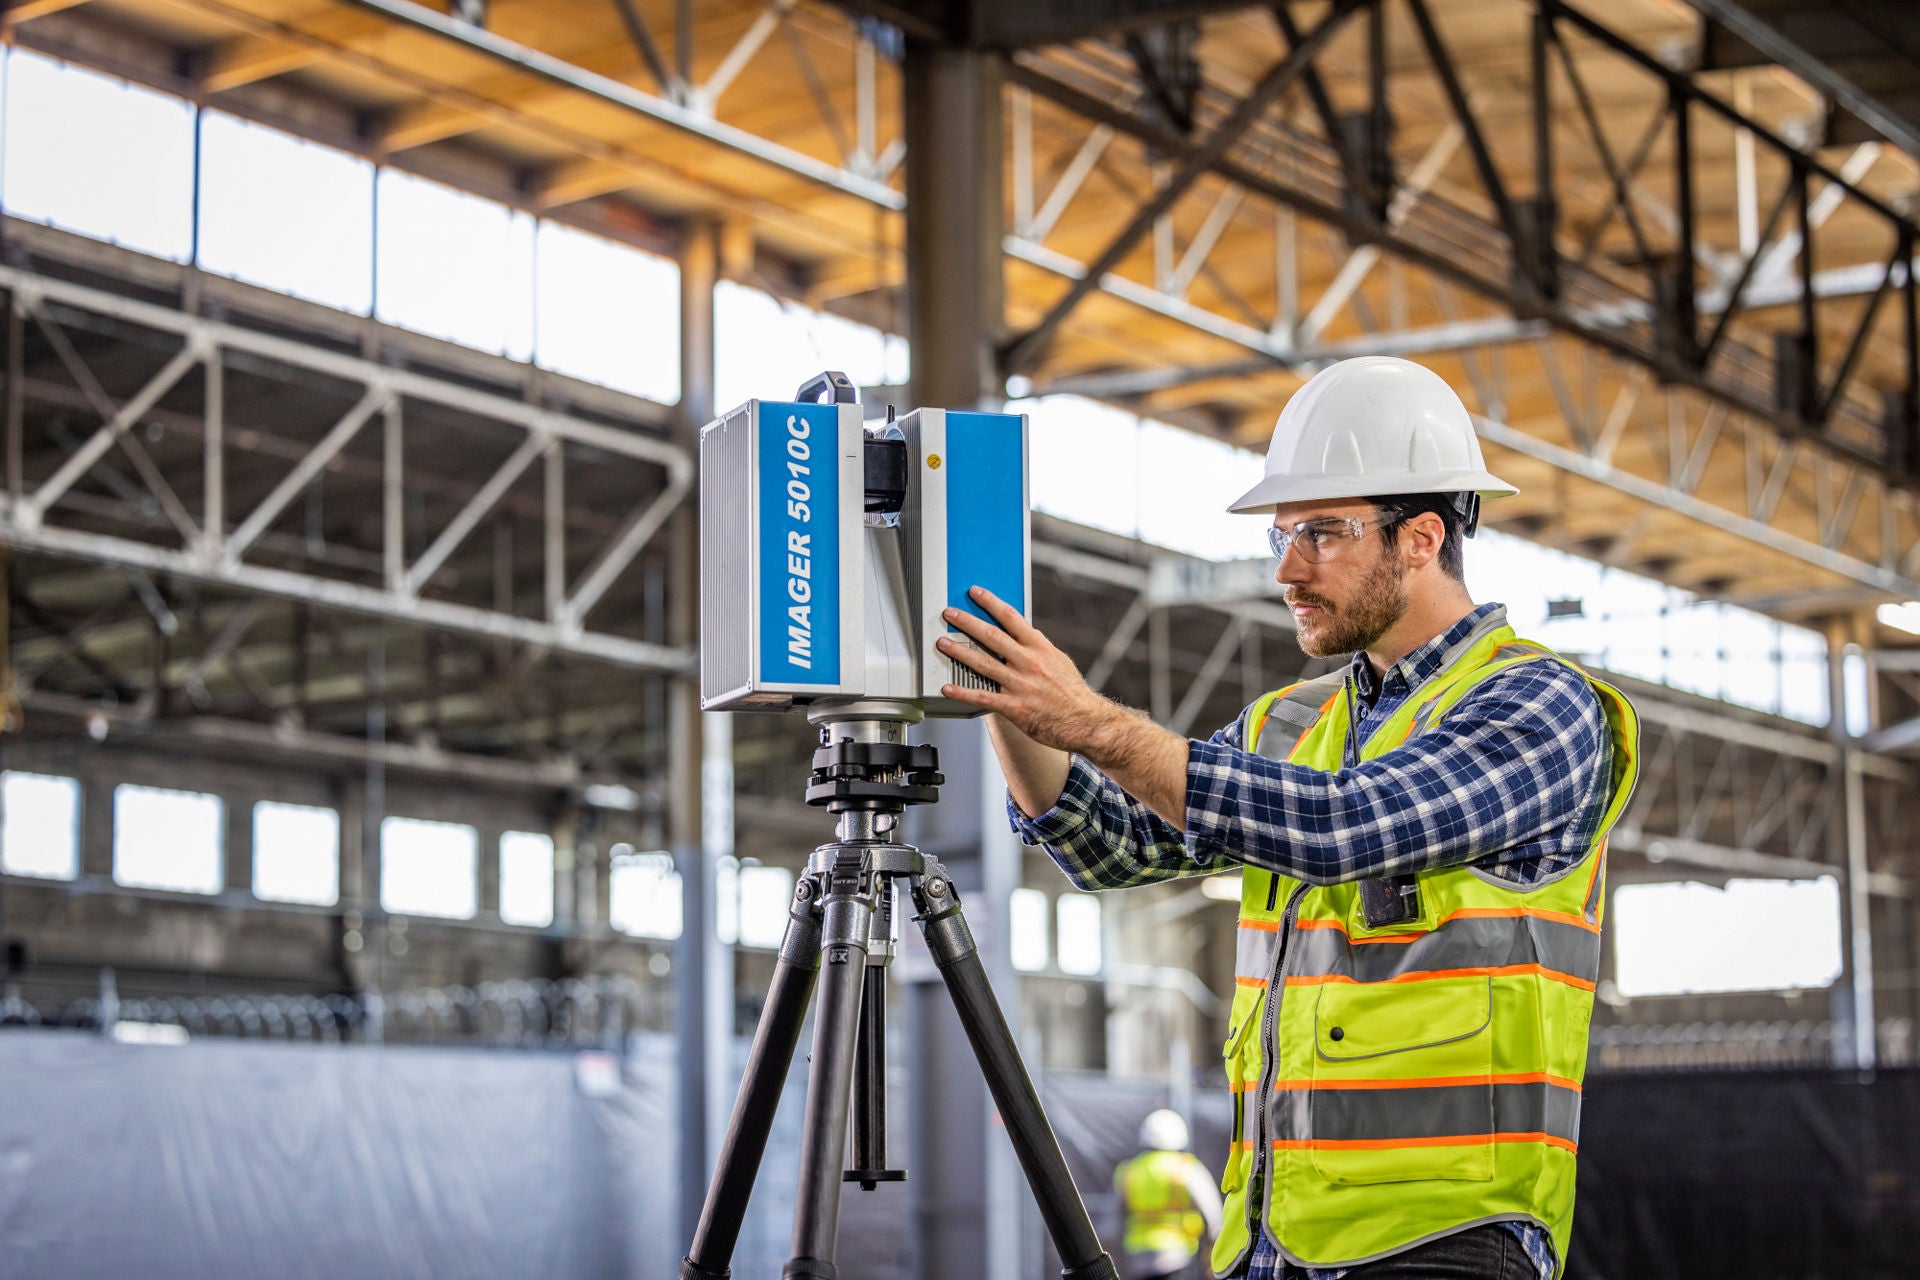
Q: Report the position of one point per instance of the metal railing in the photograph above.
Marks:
(1742, 1046)
(589, 1012)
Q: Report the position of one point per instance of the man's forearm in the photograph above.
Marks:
(1045, 713)
(1148, 762)
(1036, 774)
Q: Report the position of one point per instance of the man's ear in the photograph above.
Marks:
(1426, 533)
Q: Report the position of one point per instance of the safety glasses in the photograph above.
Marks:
(1326, 538)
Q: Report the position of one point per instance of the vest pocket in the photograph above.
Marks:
(1402, 1085)
(1243, 1079)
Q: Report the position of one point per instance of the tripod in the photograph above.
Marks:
(866, 774)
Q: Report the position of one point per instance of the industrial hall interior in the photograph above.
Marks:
(937, 639)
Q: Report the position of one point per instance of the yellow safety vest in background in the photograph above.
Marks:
(1160, 1210)
(1393, 1085)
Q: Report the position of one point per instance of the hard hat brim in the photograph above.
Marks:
(1274, 491)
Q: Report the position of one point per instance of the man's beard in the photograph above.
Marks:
(1377, 603)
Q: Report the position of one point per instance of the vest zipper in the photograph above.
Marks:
(1261, 1180)
(1353, 723)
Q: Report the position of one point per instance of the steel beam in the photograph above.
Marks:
(1195, 159)
(707, 95)
(220, 558)
(1744, 862)
(1615, 326)
(1354, 271)
(1749, 22)
(559, 71)
(1658, 494)
(27, 10)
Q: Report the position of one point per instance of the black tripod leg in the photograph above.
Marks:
(836, 1026)
(774, 1041)
(953, 949)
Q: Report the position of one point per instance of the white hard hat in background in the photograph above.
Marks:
(1370, 427)
(1164, 1130)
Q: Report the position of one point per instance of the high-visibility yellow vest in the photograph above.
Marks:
(1398, 1083)
(1160, 1210)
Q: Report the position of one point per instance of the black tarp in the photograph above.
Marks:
(1755, 1175)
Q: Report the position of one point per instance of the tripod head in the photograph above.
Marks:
(864, 762)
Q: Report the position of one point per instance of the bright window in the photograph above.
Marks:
(92, 154)
(455, 266)
(1027, 929)
(169, 839)
(1633, 625)
(751, 903)
(1753, 935)
(1187, 481)
(429, 868)
(286, 214)
(1079, 920)
(765, 348)
(296, 853)
(644, 894)
(607, 313)
(526, 878)
(1085, 462)
(40, 835)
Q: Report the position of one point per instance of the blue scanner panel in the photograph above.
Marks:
(799, 459)
(986, 509)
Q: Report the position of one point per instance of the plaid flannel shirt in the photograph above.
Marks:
(1513, 780)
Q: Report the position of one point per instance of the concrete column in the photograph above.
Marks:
(965, 1184)
(1849, 836)
(716, 838)
(487, 898)
(350, 800)
(954, 275)
(566, 886)
(98, 780)
(699, 271)
(237, 848)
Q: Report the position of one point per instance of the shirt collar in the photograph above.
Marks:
(1411, 671)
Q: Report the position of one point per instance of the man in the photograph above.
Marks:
(1169, 1201)
(1421, 836)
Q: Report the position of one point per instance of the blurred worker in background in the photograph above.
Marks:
(1170, 1202)
(1421, 835)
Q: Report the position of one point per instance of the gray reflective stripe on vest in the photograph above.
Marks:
(1245, 1117)
(1443, 1111)
(1291, 715)
(1492, 622)
(1481, 630)
(1591, 908)
(1516, 651)
(1253, 951)
(1475, 942)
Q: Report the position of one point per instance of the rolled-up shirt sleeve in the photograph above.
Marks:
(1103, 838)
(1518, 769)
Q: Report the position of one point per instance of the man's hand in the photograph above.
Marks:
(1041, 692)
(1044, 696)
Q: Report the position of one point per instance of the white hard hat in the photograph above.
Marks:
(1164, 1130)
(1370, 427)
